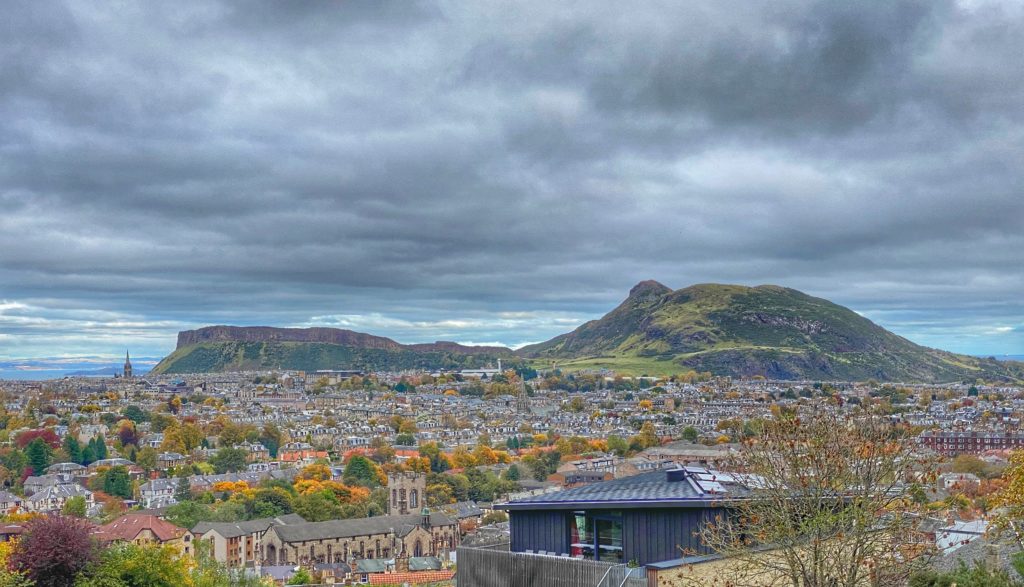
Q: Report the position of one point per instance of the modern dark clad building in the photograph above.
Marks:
(645, 518)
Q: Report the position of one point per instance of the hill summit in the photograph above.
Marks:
(768, 330)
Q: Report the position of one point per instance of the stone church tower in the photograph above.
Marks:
(408, 493)
(127, 366)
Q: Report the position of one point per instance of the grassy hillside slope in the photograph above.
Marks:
(767, 330)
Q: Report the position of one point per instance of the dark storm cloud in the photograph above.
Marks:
(484, 173)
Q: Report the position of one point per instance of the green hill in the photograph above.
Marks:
(773, 331)
(230, 348)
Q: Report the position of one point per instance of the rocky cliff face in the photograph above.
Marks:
(271, 334)
(338, 336)
(246, 348)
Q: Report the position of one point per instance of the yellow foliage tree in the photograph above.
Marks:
(316, 471)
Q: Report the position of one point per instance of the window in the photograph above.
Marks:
(596, 536)
(609, 539)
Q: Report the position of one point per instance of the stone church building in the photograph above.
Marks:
(336, 541)
(409, 530)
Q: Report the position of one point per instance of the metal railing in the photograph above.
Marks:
(493, 568)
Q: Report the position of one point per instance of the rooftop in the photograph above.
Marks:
(681, 487)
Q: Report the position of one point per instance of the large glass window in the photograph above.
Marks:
(581, 535)
(609, 539)
(596, 536)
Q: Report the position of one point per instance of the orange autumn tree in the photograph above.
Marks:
(1009, 498)
(341, 492)
(825, 503)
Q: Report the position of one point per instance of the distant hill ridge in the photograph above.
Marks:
(240, 348)
(768, 330)
(318, 334)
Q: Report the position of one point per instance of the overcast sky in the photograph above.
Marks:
(494, 172)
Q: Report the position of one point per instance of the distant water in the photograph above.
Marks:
(1010, 357)
(43, 369)
(44, 374)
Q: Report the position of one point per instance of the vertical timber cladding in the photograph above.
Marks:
(538, 530)
(649, 535)
(660, 534)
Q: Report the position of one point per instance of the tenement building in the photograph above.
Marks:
(973, 442)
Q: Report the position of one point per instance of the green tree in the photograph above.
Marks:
(146, 458)
(690, 434)
(227, 511)
(72, 449)
(134, 565)
(75, 506)
(229, 460)
(118, 482)
(432, 451)
(319, 506)
(494, 518)
(512, 474)
(135, 414)
(187, 514)
(182, 491)
(38, 454)
(618, 445)
(301, 577)
(269, 503)
(101, 448)
(360, 471)
(271, 437)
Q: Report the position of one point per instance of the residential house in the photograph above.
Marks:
(53, 498)
(9, 502)
(169, 460)
(158, 493)
(138, 528)
(255, 452)
(296, 452)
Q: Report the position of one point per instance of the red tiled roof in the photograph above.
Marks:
(129, 526)
(410, 578)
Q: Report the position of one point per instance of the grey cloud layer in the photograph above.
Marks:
(439, 163)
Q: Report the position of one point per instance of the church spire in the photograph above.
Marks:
(127, 365)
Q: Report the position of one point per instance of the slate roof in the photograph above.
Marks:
(994, 553)
(465, 509)
(159, 485)
(64, 468)
(236, 529)
(691, 487)
(371, 565)
(59, 492)
(424, 563)
(401, 525)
